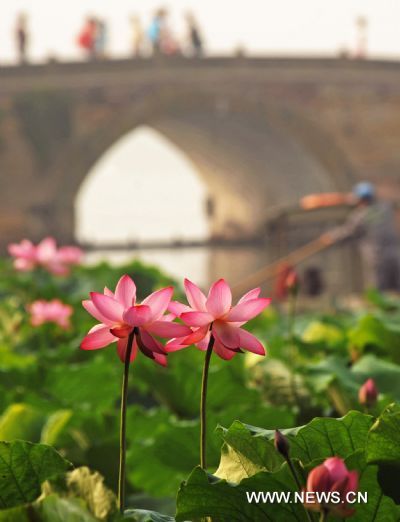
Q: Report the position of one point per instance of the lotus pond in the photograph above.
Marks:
(60, 412)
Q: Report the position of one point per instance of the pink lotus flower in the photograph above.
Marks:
(53, 311)
(215, 315)
(119, 314)
(368, 393)
(46, 254)
(332, 476)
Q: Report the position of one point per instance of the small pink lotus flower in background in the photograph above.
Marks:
(46, 254)
(119, 313)
(292, 282)
(368, 393)
(24, 254)
(214, 315)
(54, 311)
(332, 476)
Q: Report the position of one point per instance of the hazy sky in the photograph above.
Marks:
(261, 26)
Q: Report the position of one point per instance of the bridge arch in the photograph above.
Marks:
(142, 181)
(253, 156)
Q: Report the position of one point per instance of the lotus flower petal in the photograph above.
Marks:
(125, 291)
(167, 329)
(98, 337)
(89, 306)
(46, 250)
(319, 479)
(219, 299)
(177, 308)
(137, 315)
(197, 335)
(161, 359)
(252, 294)
(353, 481)
(247, 310)
(25, 249)
(250, 342)
(196, 318)
(148, 343)
(158, 302)
(174, 345)
(203, 344)
(107, 306)
(195, 296)
(122, 346)
(227, 335)
(108, 292)
(336, 467)
(23, 265)
(223, 352)
(121, 331)
(70, 255)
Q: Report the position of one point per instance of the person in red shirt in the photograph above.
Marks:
(87, 38)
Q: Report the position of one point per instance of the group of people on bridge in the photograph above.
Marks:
(157, 39)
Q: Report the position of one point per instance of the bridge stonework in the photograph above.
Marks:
(261, 132)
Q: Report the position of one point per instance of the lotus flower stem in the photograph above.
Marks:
(296, 479)
(122, 440)
(282, 446)
(203, 401)
(291, 331)
(292, 317)
(293, 472)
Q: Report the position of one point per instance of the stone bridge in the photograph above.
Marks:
(260, 132)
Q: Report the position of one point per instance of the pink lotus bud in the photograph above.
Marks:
(368, 393)
(292, 282)
(332, 476)
(281, 444)
(287, 282)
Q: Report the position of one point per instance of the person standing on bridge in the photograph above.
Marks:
(100, 39)
(21, 37)
(156, 29)
(372, 225)
(87, 38)
(194, 36)
(137, 36)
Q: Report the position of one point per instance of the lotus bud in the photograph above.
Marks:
(368, 393)
(292, 282)
(281, 444)
(332, 476)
